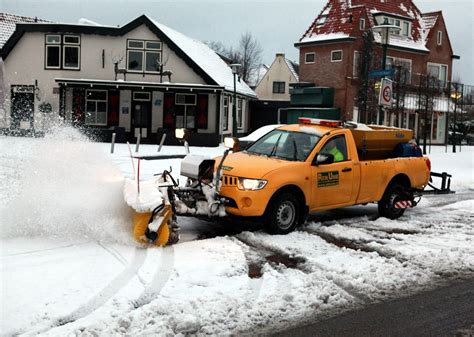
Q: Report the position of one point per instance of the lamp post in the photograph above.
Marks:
(384, 29)
(235, 70)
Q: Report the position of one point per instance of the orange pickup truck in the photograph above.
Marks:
(320, 165)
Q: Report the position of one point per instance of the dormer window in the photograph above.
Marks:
(439, 40)
(322, 20)
(405, 28)
(403, 24)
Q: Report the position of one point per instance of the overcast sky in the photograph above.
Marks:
(277, 24)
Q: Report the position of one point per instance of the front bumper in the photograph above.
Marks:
(246, 203)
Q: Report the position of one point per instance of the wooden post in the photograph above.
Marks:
(162, 142)
(113, 143)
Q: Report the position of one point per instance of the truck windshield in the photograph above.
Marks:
(287, 145)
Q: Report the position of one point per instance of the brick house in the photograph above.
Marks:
(331, 47)
(166, 81)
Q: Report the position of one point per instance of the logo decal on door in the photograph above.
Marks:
(328, 178)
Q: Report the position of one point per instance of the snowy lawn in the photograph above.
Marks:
(69, 265)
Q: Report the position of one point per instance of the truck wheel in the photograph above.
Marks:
(283, 214)
(386, 205)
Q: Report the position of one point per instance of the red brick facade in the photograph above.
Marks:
(342, 31)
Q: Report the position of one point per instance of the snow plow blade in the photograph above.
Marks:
(153, 227)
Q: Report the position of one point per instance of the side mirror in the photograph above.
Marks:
(232, 143)
(323, 159)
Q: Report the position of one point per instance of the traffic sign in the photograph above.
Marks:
(381, 73)
(385, 96)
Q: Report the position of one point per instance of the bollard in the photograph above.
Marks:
(186, 146)
(113, 143)
(162, 142)
(138, 142)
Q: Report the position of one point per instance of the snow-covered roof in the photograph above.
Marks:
(207, 59)
(8, 24)
(294, 68)
(339, 19)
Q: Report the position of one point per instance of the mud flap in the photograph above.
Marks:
(160, 221)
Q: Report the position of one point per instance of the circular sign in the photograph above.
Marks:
(387, 94)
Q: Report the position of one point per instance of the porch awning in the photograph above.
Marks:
(120, 84)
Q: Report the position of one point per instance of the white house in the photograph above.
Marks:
(143, 77)
(275, 83)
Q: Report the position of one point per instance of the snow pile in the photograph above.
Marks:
(62, 185)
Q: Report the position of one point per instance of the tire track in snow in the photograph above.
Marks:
(101, 297)
(301, 265)
(160, 279)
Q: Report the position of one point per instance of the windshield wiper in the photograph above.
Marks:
(275, 146)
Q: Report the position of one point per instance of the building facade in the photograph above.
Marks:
(331, 50)
(143, 78)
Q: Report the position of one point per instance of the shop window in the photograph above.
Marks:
(96, 107)
(225, 117)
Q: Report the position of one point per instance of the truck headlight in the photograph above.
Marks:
(251, 184)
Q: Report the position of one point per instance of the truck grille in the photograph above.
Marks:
(229, 181)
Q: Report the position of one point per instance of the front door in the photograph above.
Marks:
(141, 114)
(332, 183)
(22, 107)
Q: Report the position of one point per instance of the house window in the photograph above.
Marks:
(239, 113)
(53, 51)
(322, 20)
(400, 64)
(225, 117)
(405, 28)
(440, 38)
(439, 71)
(62, 51)
(71, 51)
(336, 56)
(309, 58)
(96, 107)
(143, 55)
(186, 111)
(278, 87)
(362, 24)
(355, 66)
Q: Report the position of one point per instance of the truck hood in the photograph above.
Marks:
(246, 165)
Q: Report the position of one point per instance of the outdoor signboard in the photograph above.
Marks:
(381, 73)
(385, 96)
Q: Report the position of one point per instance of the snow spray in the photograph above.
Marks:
(62, 185)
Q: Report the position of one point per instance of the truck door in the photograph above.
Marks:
(332, 183)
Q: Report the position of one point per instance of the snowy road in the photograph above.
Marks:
(69, 266)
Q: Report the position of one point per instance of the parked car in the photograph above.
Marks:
(256, 135)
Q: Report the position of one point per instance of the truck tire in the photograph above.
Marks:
(386, 205)
(283, 214)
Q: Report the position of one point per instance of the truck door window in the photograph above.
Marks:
(337, 147)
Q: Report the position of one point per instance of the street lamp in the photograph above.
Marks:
(384, 29)
(235, 70)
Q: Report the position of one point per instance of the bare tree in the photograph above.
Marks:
(250, 55)
(247, 54)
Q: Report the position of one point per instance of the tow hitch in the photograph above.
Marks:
(445, 184)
